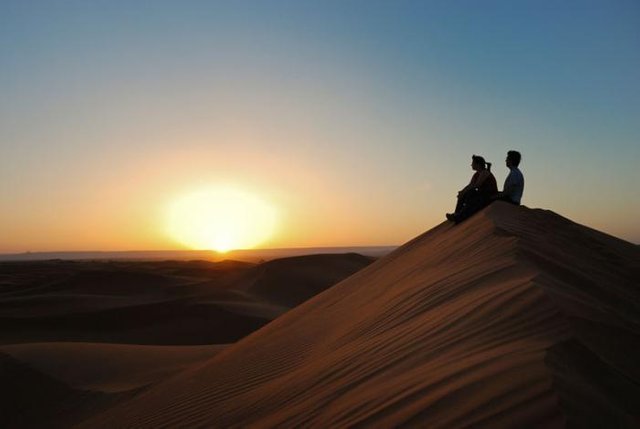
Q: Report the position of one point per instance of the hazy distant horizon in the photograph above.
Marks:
(239, 254)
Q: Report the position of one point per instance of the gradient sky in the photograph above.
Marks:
(356, 119)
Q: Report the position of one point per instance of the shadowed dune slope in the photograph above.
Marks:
(290, 281)
(158, 302)
(514, 318)
(109, 368)
(31, 399)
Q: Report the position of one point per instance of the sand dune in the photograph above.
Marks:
(59, 384)
(514, 318)
(108, 368)
(165, 302)
(179, 321)
(33, 399)
(290, 281)
(62, 324)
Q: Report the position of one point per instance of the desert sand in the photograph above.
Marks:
(515, 318)
(78, 337)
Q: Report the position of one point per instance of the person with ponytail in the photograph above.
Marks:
(480, 191)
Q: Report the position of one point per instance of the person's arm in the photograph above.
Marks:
(471, 185)
(482, 176)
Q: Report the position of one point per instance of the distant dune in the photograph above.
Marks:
(62, 324)
(165, 302)
(290, 281)
(514, 318)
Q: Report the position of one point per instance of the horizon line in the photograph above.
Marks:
(31, 252)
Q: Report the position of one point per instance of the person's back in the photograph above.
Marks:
(514, 183)
(488, 189)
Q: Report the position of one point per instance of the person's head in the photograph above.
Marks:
(513, 158)
(478, 163)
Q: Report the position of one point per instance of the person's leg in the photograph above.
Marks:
(474, 203)
(460, 203)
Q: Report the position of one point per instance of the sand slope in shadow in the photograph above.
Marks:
(63, 325)
(166, 302)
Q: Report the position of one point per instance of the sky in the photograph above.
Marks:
(354, 121)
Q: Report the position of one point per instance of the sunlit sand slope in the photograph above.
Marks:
(514, 318)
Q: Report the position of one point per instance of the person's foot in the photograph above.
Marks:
(451, 217)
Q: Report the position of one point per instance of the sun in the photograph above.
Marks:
(220, 219)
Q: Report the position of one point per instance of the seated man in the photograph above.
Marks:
(514, 184)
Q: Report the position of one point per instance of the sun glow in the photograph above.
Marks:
(221, 219)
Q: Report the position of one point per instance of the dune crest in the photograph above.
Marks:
(514, 318)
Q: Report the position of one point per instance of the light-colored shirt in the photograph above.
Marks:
(514, 185)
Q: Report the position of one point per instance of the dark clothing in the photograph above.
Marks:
(476, 196)
(484, 182)
(470, 203)
(488, 188)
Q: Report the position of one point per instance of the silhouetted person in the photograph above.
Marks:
(514, 183)
(478, 193)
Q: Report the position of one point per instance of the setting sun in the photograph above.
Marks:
(220, 219)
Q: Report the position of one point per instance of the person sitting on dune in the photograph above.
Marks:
(478, 193)
(514, 184)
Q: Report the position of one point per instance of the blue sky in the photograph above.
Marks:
(363, 114)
